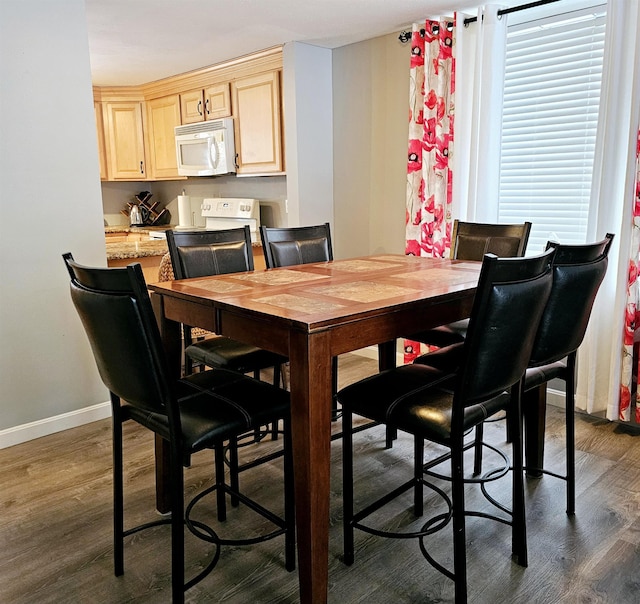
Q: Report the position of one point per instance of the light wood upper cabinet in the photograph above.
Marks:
(211, 103)
(136, 124)
(256, 103)
(163, 115)
(97, 107)
(124, 140)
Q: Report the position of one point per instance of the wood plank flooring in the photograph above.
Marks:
(56, 531)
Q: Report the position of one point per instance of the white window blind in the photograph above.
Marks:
(551, 98)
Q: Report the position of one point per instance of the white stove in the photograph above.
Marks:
(226, 213)
(231, 212)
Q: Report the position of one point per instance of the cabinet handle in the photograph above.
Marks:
(199, 107)
(141, 168)
(206, 106)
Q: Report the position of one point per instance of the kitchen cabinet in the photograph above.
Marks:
(163, 115)
(257, 112)
(135, 123)
(97, 108)
(210, 103)
(124, 140)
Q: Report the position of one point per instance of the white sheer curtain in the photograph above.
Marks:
(599, 358)
(480, 63)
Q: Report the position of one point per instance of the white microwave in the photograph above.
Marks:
(206, 148)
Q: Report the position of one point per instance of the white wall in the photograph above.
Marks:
(370, 133)
(308, 115)
(50, 204)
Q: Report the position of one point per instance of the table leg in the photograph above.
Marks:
(310, 366)
(170, 334)
(534, 406)
(387, 360)
(387, 355)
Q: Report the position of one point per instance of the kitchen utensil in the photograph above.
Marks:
(135, 216)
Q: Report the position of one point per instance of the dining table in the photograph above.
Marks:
(311, 313)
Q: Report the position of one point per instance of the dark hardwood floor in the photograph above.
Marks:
(55, 526)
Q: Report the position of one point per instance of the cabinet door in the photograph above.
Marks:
(217, 101)
(97, 107)
(125, 142)
(163, 115)
(192, 107)
(256, 102)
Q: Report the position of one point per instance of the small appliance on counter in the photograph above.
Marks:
(135, 216)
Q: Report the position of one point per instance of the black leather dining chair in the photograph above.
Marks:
(194, 413)
(288, 246)
(578, 271)
(442, 406)
(206, 253)
(202, 254)
(471, 241)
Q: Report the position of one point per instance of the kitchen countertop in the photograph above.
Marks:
(140, 249)
(134, 229)
(136, 249)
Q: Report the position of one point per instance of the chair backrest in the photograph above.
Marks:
(510, 299)
(472, 240)
(578, 271)
(206, 253)
(296, 245)
(114, 306)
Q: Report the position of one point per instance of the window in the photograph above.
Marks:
(551, 99)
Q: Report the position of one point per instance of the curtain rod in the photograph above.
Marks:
(514, 9)
(405, 36)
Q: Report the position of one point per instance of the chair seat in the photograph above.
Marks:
(241, 403)
(233, 355)
(414, 398)
(443, 335)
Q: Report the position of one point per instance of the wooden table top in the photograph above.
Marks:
(310, 297)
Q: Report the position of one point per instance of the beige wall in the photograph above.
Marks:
(370, 129)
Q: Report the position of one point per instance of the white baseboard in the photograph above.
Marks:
(51, 425)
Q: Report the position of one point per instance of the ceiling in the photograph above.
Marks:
(138, 41)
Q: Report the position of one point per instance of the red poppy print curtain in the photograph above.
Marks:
(431, 120)
(632, 315)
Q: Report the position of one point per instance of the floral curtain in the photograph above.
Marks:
(632, 315)
(431, 130)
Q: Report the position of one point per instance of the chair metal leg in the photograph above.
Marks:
(177, 528)
(458, 519)
(219, 478)
(570, 428)
(477, 460)
(277, 375)
(334, 388)
(118, 503)
(519, 526)
(347, 486)
(418, 489)
(234, 473)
